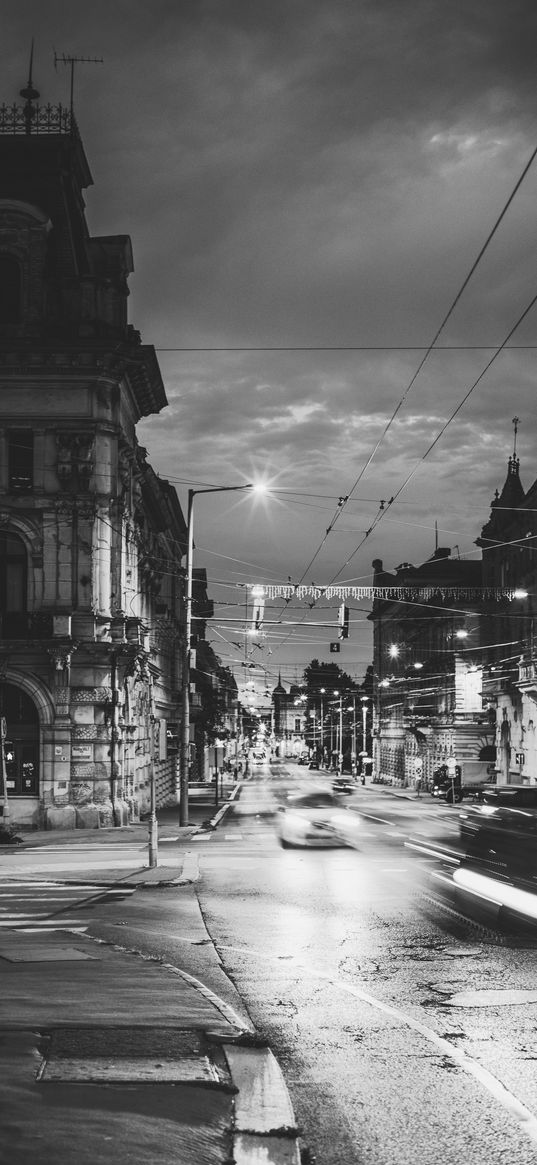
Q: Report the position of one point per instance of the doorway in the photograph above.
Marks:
(22, 741)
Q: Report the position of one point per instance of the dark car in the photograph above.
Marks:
(500, 835)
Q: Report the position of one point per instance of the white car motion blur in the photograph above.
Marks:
(316, 818)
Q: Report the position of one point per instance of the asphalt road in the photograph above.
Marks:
(402, 1014)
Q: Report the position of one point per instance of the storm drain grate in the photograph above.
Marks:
(127, 1055)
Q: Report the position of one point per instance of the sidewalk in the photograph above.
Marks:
(108, 1055)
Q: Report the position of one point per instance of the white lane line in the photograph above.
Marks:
(527, 1120)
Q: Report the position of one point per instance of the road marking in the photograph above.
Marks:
(44, 924)
(527, 1120)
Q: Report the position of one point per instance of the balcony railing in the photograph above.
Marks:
(36, 119)
(527, 672)
(26, 625)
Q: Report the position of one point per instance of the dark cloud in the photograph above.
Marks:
(304, 173)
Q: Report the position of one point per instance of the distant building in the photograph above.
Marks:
(508, 544)
(288, 721)
(428, 675)
(91, 539)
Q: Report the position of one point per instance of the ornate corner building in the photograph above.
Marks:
(91, 540)
(455, 668)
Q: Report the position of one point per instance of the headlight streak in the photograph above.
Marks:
(435, 853)
(498, 893)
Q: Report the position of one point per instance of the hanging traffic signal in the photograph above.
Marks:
(343, 622)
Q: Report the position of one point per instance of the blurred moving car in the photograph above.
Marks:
(500, 834)
(344, 783)
(316, 818)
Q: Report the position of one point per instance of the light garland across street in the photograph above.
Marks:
(408, 593)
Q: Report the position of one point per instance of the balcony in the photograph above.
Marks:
(26, 625)
(527, 674)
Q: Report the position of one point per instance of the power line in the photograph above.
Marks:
(427, 352)
(361, 347)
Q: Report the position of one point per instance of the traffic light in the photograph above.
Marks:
(343, 622)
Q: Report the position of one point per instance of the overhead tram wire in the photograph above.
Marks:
(384, 509)
(345, 498)
(425, 357)
(348, 348)
(440, 434)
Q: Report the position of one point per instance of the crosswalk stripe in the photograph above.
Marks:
(39, 930)
(41, 924)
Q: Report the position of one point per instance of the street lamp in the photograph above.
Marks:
(364, 700)
(187, 635)
(321, 693)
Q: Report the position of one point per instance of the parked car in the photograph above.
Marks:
(316, 818)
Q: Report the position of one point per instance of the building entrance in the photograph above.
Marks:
(22, 741)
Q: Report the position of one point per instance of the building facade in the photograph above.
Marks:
(428, 704)
(288, 726)
(508, 545)
(91, 539)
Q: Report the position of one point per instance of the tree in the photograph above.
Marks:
(322, 681)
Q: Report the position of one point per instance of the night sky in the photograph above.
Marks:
(307, 185)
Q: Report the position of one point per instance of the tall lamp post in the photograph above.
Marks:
(364, 700)
(187, 635)
(321, 693)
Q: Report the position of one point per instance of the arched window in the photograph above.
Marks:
(10, 290)
(13, 573)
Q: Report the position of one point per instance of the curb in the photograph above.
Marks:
(214, 821)
(265, 1129)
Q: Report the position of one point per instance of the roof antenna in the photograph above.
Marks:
(65, 59)
(30, 94)
(435, 537)
(515, 423)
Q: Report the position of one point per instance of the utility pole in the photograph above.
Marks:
(5, 807)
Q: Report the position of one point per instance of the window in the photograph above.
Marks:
(10, 290)
(297, 724)
(21, 460)
(12, 573)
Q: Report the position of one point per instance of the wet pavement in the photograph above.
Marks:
(108, 1055)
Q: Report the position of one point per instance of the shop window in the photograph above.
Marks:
(13, 573)
(10, 290)
(21, 460)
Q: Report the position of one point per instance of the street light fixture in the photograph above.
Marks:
(187, 635)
